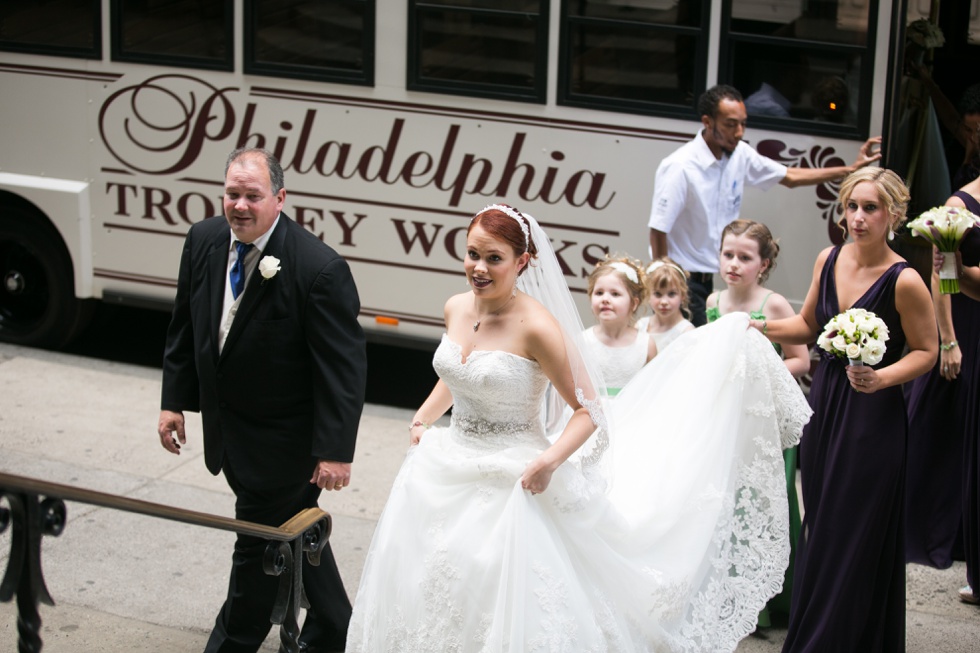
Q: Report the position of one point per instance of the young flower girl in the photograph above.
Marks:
(666, 284)
(617, 291)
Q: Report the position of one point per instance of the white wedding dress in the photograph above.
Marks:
(674, 544)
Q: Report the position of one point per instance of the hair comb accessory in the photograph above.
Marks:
(626, 269)
(503, 208)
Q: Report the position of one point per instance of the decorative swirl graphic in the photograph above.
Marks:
(816, 157)
(160, 125)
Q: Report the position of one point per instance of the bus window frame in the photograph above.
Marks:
(726, 75)
(567, 98)
(227, 64)
(415, 82)
(94, 52)
(313, 73)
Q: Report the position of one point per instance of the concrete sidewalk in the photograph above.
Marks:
(124, 582)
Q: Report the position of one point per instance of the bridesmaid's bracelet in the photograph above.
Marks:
(944, 347)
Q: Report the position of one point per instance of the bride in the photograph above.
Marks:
(656, 522)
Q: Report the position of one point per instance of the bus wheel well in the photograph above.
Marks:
(38, 306)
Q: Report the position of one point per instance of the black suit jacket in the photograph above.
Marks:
(288, 386)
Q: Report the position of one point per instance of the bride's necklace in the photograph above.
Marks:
(476, 325)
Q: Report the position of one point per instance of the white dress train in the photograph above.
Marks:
(676, 546)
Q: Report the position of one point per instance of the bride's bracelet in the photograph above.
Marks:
(418, 423)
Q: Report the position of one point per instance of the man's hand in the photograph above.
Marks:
(330, 475)
(171, 423)
(869, 153)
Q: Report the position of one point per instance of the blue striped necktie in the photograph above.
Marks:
(237, 274)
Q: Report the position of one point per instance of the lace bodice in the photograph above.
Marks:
(497, 396)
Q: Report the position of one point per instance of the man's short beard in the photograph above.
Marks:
(718, 139)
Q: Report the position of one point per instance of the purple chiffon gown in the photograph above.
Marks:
(849, 585)
(937, 440)
(970, 249)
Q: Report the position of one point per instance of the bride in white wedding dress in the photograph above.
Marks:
(657, 522)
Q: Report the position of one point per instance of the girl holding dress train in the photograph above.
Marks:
(746, 259)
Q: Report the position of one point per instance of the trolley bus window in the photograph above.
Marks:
(188, 33)
(484, 48)
(645, 57)
(801, 61)
(68, 28)
(329, 40)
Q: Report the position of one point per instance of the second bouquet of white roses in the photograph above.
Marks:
(857, 335)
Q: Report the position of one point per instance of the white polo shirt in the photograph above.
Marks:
(696, 196)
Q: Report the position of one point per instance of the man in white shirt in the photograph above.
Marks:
(698, 188)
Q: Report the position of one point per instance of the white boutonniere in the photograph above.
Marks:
(268, 267)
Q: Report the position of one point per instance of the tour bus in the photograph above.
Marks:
(396, 121)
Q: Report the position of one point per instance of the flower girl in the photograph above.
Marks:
(666, 284)
(617, 291)
(748, 255)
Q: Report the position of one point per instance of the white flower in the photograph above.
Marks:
(824, 342)
(625, 269)
(269, 266)
(873, 352)
(839, 343)
(853, 351)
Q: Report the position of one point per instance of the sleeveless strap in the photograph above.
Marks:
(970, 201)
(764, 300)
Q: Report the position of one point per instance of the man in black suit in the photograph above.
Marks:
(275, 361)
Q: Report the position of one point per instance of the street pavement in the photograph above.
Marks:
(126, 582)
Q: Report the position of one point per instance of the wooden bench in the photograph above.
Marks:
(32, 516)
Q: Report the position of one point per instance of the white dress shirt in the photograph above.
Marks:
(696, 196)
(230, 306)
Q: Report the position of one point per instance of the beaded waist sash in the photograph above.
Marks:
(484, 434)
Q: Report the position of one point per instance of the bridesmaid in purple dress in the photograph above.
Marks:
(938, 407)
(849, 585)
(968, 197)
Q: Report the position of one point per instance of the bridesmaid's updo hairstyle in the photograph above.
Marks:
(509, 225)
(768, 247)
(892, 191)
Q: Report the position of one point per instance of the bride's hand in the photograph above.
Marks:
(537, 475)
(416, 431)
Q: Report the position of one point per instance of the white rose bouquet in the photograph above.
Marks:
(944, 227)
(857, 335)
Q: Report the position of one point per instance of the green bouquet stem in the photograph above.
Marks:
(949, 283)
